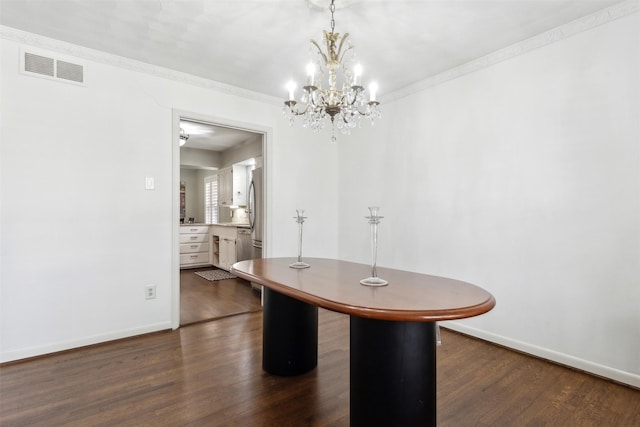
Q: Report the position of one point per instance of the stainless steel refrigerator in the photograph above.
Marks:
(255, 211)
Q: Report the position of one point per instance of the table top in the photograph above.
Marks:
(335, 285)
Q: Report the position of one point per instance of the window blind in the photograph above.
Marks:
(211, 199)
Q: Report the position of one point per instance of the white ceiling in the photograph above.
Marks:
(259, 45)
(205, 136)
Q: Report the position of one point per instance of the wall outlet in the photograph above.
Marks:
(150, 291)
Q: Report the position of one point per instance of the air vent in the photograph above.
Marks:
(69, 71)
(56, 69)
(39, 64)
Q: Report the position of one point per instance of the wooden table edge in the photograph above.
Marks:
(373, 313)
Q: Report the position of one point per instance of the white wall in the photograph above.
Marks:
(242, 152)
(308, 168)
(80, 237)
(523, 178)
(200, 158)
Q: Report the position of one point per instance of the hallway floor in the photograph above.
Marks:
(202, 300)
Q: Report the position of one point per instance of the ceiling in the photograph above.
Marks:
(205, 136)
(260, 45)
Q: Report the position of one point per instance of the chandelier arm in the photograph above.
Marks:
(295, 111)
(348, 101)
(303, 112)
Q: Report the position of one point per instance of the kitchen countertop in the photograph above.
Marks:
(223, 224)
(233, 224)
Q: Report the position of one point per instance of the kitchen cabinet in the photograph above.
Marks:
(227, 253)
(232, 186)
(223, 245)
(194, 246)
(225, 187)
(240, 185)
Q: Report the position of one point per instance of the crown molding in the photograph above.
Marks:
(557, 34)
(77, 51)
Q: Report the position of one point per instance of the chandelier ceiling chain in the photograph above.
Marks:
(332, 8)
(344, 106)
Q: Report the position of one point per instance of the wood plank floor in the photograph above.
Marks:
(209, 374)
(202, 300)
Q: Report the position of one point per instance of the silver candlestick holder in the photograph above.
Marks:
(300, 220)
(374, 220)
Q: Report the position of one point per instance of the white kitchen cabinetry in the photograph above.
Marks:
(240, 185)
(232, 186)
(227, 253)
(194, 246)
(225, 187)
(224, 246)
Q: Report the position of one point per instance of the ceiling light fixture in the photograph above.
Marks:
(183, 137)
(346, 106)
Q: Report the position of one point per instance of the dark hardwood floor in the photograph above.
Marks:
(209, 374)
(202, 300)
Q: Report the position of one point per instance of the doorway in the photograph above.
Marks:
(202, 300)
(212, 144)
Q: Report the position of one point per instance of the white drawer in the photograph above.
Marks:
(194, 229)
(197, 258)
(189, 248)
(224, 231)
(194, 238)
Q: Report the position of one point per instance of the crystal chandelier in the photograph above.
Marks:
(346, 106)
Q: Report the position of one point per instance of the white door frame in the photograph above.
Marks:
(267, 133)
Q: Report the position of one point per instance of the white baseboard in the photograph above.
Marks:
(10, 356)
(561, 358)
(543, 353)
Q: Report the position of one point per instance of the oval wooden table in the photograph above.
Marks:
(392, 330)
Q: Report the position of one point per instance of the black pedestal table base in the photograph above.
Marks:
(393, 373)
(290, 335)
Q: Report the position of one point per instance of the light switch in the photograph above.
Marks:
(148, 183)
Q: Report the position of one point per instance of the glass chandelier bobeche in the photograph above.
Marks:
(346, 106)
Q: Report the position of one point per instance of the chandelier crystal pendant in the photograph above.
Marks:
(345, 106)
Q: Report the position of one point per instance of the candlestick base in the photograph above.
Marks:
(299, 264)
(374, 281)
